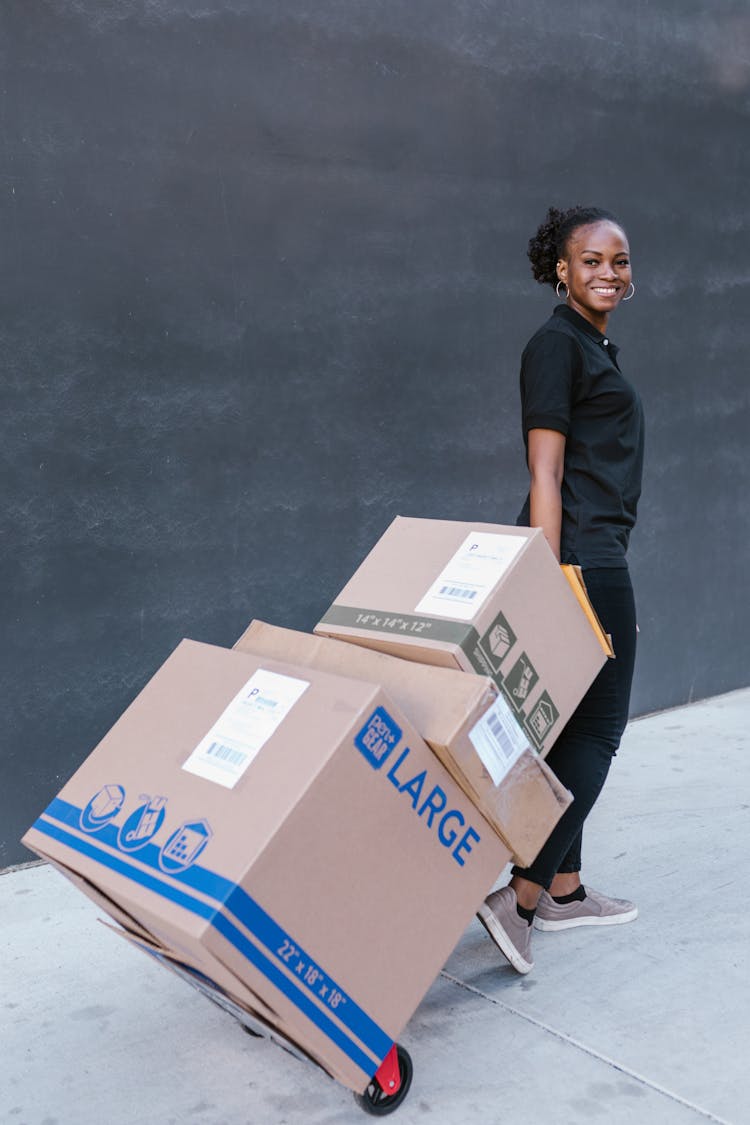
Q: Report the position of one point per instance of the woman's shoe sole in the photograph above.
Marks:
(502, 941)
(591, 920)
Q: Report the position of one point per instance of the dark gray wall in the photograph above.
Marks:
(264, 287)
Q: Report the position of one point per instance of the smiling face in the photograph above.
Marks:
(596, 270)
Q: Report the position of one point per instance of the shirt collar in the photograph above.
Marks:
(584, 325)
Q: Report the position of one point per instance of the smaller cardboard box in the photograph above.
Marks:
(458, 716)
(283, 838)
(483, 598)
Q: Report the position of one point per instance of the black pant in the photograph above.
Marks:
(583, 753)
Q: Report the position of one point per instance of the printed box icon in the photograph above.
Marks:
(542, 718)
(185, 845)
(520, 681)
(501, 640)
(106, 802)
(497, 642)
(147, 822)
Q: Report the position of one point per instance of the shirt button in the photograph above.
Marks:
(606, 343)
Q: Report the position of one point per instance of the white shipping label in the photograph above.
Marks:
(477, 566)
(498, 739)
(244, 727)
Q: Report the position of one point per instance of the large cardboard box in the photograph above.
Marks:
(483, 598)
(458, 716)
(284, 836)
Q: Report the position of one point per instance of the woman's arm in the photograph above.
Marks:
(546, 457)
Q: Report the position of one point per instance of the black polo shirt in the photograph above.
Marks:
(571, 382)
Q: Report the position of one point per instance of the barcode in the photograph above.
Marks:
(226, 753)
(501, 738)
(458, 592)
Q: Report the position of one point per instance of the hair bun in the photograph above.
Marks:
(548, 245)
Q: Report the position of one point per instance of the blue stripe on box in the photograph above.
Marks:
(317, 982)
(197, 878)
(246, 910)
(122, 867)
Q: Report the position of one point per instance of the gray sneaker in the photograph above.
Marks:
(509, 931)
(594, 910)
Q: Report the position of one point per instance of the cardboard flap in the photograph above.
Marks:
(574, 575)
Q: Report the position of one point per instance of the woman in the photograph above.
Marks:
(583, 429)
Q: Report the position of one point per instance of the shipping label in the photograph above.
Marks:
(464, 584)
(244, 727)
(498, 739)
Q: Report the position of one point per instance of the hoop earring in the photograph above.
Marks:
(567, 291)
(630, 298)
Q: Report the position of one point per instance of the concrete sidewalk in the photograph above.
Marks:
(643, 1023)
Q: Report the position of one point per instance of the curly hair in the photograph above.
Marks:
(550, 242)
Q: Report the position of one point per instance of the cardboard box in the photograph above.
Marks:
(283, 836)
(483, 598)
(523, 801)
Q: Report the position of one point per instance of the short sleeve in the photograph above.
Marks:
(549, 366)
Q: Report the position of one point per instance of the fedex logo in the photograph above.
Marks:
(375, 741)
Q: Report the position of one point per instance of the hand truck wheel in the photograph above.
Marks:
(376, 1099)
